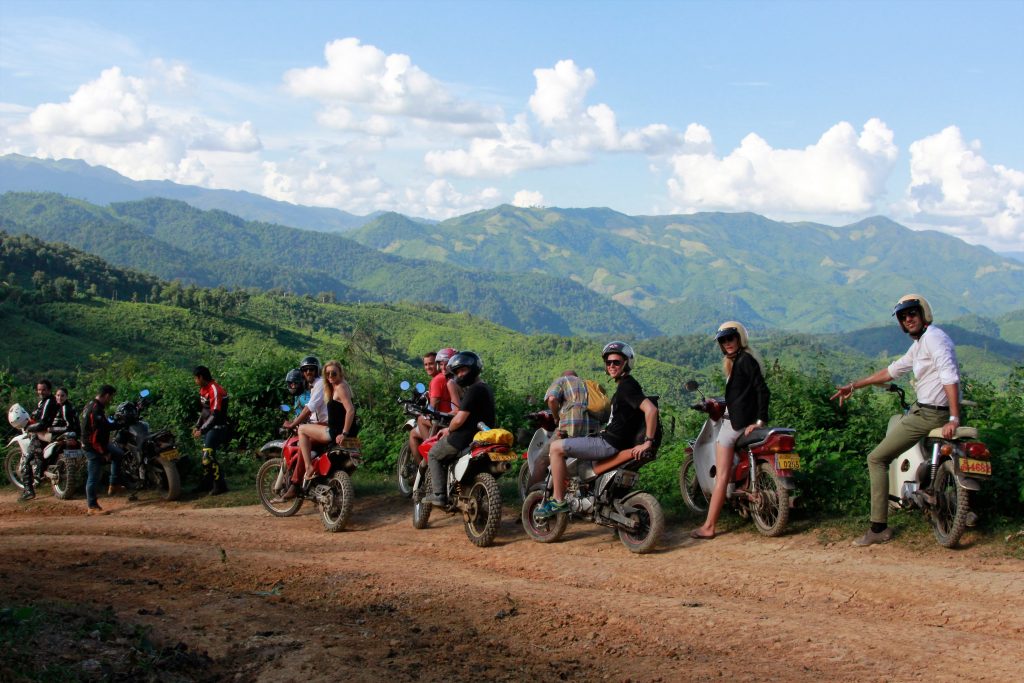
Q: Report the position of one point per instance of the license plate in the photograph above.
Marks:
(969, 466)
(502, 457)
(172, 454)
(790, 461)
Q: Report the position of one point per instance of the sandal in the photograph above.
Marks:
(699, 536)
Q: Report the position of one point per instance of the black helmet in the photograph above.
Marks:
(621, 348)
(126, 413)
(310, 362)
(466, 359)
(295, 382)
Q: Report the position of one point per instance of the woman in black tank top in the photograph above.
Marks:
(341, 414)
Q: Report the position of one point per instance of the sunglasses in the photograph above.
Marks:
(613, 362)
(909, 313)
(728, 338)
(331, 373)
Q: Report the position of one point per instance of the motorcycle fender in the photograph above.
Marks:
(969, 483)
(416, 480)
(22, 440)
(272, 448)
(462, 465)
(788, 483)
(409, 425)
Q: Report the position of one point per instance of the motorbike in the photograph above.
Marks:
(150, 458)
(415, 408)
(331, 490)
(471, 485)
(63, 460)
(601, 491)
(938, 475)
(762, 485)
(544, 425)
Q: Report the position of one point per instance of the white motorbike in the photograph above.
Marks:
(63, 459)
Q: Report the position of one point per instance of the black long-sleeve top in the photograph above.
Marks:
(746, 393)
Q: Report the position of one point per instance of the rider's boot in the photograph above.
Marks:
(216, 474)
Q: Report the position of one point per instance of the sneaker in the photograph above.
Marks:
(436, 499)
(871, 538)
(27, 495)
(96, 510)
(550, 508)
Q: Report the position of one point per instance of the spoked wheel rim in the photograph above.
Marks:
(477, 508)
(406, 470)
(689, 486)
(766, 506)
(13, 465)
(268, 475)
(949, 514)
(482, 510)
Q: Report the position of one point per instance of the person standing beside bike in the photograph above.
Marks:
(41, 421)
(98, 448)
(746, 400)
(213, 428)
(932, 357)
(477, 405)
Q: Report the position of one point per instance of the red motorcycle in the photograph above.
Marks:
(471, 486)
(762, 484)
(331, 489)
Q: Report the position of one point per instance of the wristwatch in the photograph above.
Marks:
(759, 424)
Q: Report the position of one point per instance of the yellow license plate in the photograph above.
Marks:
(503, 457)
(172, 454)
(969, 466)
(790, 461)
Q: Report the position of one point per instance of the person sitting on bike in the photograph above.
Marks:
(313, 409)
(746, 400)
(341, 415)
(65, 419)
(39, 428)
(477, 406)
(213, 427)
(439, 399)
(98, 447)
(297, 389)
(932, 357)
(567, 400)
(631, 410)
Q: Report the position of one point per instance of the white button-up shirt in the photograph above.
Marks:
(316, 402)
(932, 357)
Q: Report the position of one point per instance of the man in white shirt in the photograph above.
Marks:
(932, 357)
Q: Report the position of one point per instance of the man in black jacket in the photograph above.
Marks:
(42, 419)
(98, 449)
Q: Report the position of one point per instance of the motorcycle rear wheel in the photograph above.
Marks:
(771, 512)
(164, 475)
(647, 510)
(335, 512)
(421, 510)
(66, 483)
(949, 516)
(484, 514)
(13, 465)
(689, 487)
(544, 530)
(405, 470)
(265, 480)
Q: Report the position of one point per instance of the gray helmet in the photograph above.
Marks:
(310, 362)
(295, 382)
(621, 348)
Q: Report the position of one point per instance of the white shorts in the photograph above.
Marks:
(727, 436)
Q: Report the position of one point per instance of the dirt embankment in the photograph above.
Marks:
(271, 599)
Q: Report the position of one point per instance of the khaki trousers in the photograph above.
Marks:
(904, 434)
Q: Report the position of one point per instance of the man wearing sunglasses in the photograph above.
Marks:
(932, 357)
(631, 410)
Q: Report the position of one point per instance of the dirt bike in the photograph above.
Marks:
(761, 486)
(601, 491)
(471, 487)
(414, 408)
(63, 460)
(150, 458)
(937, 475)
(332, 488)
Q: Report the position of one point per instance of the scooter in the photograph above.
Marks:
(544, 424)
(63, 458)
(938, 475)
(761, 485)
(415, 408)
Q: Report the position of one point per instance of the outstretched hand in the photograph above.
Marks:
(843, 393)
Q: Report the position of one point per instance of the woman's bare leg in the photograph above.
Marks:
(723, 472)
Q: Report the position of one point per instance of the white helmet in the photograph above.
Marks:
(913, 301)
(17, 416)
(732, 327)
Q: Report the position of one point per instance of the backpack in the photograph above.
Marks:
(598, 404)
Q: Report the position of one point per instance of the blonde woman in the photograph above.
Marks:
(341, 415)
(746, 400)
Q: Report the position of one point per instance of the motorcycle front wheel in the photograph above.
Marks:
(421, 510)
(484, 511)
(689, 486)
(952, 503)
(523, 481)
(770, 508)
(335, 510)
(645, 509)
(542, 530)
(406, 470)
(266, 479)
(13, 465)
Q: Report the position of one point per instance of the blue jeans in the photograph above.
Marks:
(94, 470)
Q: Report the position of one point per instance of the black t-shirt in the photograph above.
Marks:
(627, 418)
(479, 401)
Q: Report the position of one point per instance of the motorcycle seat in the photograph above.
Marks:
(756, 436)
(624, 457)
(961, 433)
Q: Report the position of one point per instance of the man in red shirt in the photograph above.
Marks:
(213, 427)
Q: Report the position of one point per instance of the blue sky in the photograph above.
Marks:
(825, 111)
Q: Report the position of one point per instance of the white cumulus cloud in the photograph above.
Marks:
(528, 198)
(844, 172)
(952, 186)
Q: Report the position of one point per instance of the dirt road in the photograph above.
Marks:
(279, 599)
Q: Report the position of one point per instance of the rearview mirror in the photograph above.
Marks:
(420, 388)
(691, 385)
(404, 386)
(144, 393)
(285, 408)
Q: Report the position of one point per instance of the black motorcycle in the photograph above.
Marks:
(150, 458)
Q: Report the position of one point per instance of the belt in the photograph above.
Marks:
(939, 408)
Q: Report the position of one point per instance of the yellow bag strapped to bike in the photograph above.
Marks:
(598, 404)
(493, 437)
